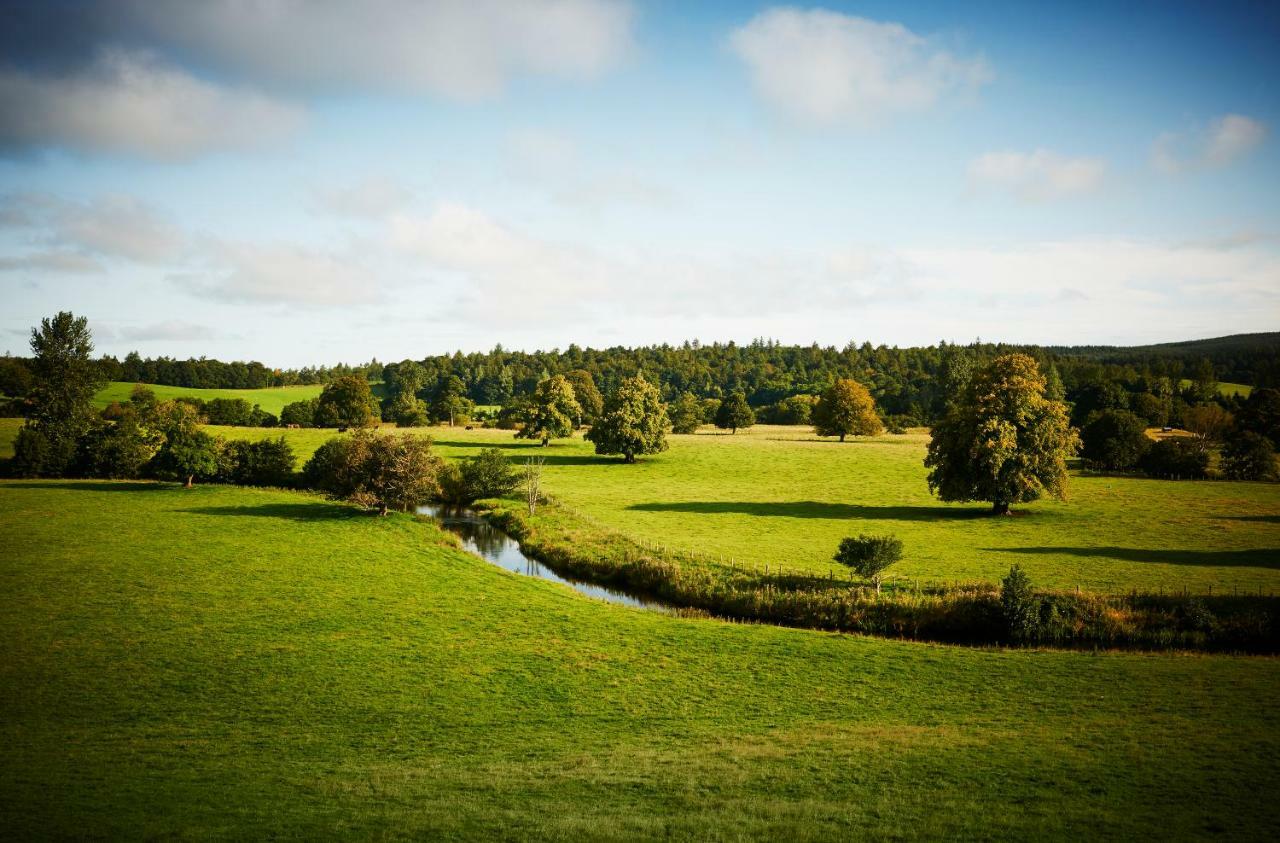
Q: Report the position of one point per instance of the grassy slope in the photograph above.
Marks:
(271, 400)
(231, 663)
(1228, 389)
(778, 495)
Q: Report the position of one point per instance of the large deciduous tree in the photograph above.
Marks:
(846, 408)
(1005, 441)
(734, 412)
(346, 402)
(552, 411)
(1114, 440)
(588, 395)
(64, 380)
(686, 413)
(634, 421)
(376, 471)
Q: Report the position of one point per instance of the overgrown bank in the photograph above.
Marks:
(969, 613)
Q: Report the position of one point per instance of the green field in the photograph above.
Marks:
(236, 663)
(1227, 389)
(271, 400)
(777, 495)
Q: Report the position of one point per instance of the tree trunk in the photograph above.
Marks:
(841, 437)
(1000, 508)
(545, 442)
(190, 478)
(382, 509)
(628, 457)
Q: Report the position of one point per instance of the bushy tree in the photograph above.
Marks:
(451, 405)
(345, 403)
(587, 394)
(1004, 441)
(734, 412)
(1151, 408)
(794, 409)
(64, 380)
(1019, 606)
(408, 411)
(686, 414)
(1176, 459)
(1249, 456)
(376, 471)
(301, 413)
(634, 421)
(1114, 440)
(1208, 423)
(552, 411)
(118, 450)
(488, 474)
(188, 457)
(15, 377)
(869, 556)
(268, 462)
(1261, 414)
(846, 408)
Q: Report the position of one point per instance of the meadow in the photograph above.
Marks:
(779, 496)
(227, 663)
(271, 400)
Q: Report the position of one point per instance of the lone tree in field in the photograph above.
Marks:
(1004, 441)
(869, 556)
(634, 421)
(588, 395)
(686, 414)
(734, 413)
(346, 402)
(846, 409)
(65, 378)
(188, 452)
(376, 471)
(552, 413)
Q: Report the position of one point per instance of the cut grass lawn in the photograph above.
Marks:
(237, 663)
(779, 496)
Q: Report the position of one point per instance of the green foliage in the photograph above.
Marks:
(1152, 409)
(734, 413)
(846, 408)
(65, 379)
(1249, 456)
(1261, 414)
(686, 414)
(587, 395)
(869, 556)
(119, 449)
(488, 474)
(228, 411)
(410, 412)
(376, 471)
(31, 454)
(267, 462)
(187, 456)
(15, 377)
(1019, 606)
(1114, 440)
(552, 412)
(634, 421)
(1176, 459)
(794, 409)
(301, 413)
(345, 403)
(1004, 441)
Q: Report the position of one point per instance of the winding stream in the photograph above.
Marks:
(481, 538)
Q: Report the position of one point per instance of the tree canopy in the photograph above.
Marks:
(634, 421)
(346, 402)
(846, 408)
(735, 412)
(60, 407)
(1003, 441)
(552, 412)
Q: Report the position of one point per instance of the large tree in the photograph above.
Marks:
(686, 414)
(376, 471)
(1004, 441)
(1114, 440)
(734, 412)
(846, 408)
(64, 380)
(634, 421)
(589, 397)
(552, 412)
(346, 402)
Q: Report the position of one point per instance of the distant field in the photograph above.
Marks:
(1228, 389)
(250, 664)
(778, 495)
(271, 400)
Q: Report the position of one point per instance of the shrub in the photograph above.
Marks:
(488, 474)
(1175, 459)
(31, 453)
(187, 456)
(1019, 606)
(1114, 440)
(269, 462)
(232, 412)
(118, 450)
(869, 556)
(301, 413)
(1249, 456)
(376, 471)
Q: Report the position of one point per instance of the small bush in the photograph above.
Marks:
(266, 463)
(869, 556)
(1019, 606)
(1175, 459)
(488, 474)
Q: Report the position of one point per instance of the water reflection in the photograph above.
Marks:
(491, 544)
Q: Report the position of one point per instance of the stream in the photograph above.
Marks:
(491, 544)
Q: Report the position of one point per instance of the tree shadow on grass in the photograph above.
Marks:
(96, 485)
(1264, 519)
(816, 509)
(1268, 557)
(310, 511)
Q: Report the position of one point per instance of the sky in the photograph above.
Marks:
(305, 183)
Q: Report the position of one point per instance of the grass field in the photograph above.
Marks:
(236, 663)
(1228, 389)
(777, 495)
(270, 400)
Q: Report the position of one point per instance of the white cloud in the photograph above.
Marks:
(282, 274)
(1037, 176)
(461, 49)
(169, 330)
(133, 103)
(1225, 140)
(373, 198)
(76, 236)
(826, 67)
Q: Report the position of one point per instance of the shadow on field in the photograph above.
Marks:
(1265, 519)
(96, 485)
(314, 511)
(1268, 557)
(816, 509)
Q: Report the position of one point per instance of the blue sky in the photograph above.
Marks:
(311, 182)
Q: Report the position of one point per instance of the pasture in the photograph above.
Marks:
(228, 663)
(780, 496)
(271, 400)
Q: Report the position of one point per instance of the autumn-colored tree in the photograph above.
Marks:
(846, 408)
(1004, 441)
